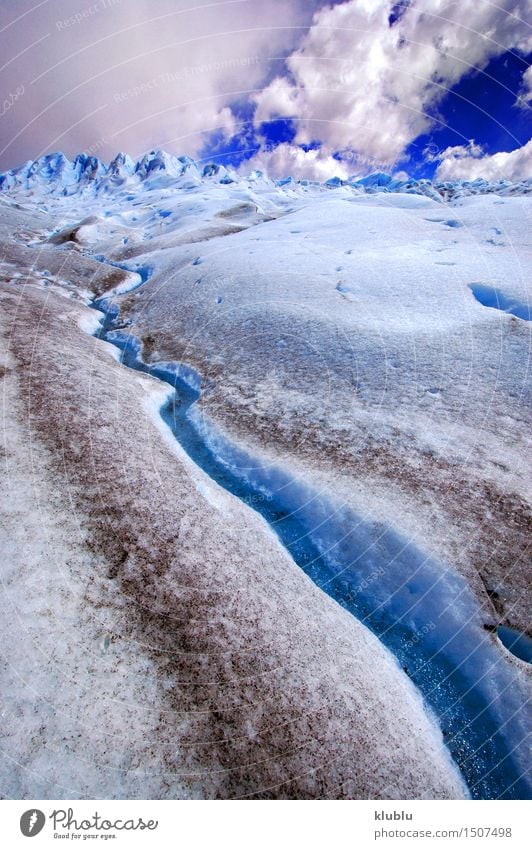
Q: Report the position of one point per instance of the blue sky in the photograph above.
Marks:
(481, 106)
(301, 87)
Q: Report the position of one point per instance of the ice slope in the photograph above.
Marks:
(374, 293)
(338, 336)
(158, 641)
(356, 315)
(384, 581)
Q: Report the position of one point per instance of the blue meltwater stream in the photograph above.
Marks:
(421, 610)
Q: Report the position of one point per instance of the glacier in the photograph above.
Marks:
(352, 403)
(54, 174)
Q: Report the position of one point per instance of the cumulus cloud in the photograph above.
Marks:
(362, 81)
(458, 151)
(467, 162)
(103, 75)
(290, 160)
(363, 77)
(525, 94)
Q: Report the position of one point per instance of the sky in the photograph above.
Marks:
(429, 88)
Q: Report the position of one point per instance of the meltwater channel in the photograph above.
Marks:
(421, 609)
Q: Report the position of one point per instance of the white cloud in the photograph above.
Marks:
(458, 151)
(525, 94)
(357, 83)
(137, 74)
(467, 162)
(352, 81)
(290, 160)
